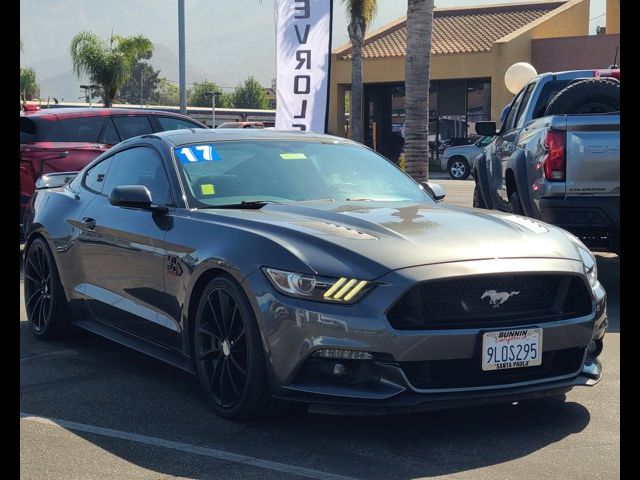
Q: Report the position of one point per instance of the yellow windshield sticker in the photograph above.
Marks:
(293, 156)
(207, 189)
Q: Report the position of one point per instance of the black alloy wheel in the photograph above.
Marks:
(45, 301)
(228, 352)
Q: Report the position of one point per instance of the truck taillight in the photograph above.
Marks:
(554, 163)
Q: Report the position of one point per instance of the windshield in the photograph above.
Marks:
(231, 172)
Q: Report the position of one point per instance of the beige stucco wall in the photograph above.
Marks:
(613, 16)
(572, 19)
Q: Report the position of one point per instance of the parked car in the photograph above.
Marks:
(241, 125)
(459, 161)
(557, 156)
(304, 267)
(67, 139)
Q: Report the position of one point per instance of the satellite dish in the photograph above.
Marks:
(518, 75)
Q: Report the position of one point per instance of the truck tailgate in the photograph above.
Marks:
(592, 154)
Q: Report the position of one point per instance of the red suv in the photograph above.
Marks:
(67, 139)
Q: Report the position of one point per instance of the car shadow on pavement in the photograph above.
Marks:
(89, 380)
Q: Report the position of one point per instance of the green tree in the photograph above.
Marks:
(250, 95)
(29, 88)
(419, 33)
(360, 13)
(108, 63)
(145, 73)
(200, 95)
(165, 93)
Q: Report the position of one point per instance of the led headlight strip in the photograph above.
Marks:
(344, 289)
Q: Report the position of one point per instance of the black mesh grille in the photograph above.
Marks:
(491, 300)
(468, 372)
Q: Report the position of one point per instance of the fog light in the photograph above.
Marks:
(339, 370)
(342, 354)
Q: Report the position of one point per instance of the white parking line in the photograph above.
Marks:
(185, 447)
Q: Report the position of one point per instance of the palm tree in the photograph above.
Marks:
(419, 31)
(108, 64)
(360, 12)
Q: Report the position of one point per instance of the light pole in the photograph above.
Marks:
(89, 89)
(181, 59)
(213, 108)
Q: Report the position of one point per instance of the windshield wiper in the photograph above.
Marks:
(251, 205)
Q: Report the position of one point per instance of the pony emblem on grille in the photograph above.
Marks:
(497, 298)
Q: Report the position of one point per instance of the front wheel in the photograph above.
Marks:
(458, 168)
(45, 301)
(514, 205)
(229, 356)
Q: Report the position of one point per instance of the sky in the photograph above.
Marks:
(226, 40)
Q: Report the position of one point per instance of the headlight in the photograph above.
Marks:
(590, 265)
(313, 287)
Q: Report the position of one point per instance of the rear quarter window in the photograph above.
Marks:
(132, 126)
(27, 130)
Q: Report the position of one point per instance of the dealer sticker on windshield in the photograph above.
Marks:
(512, 349)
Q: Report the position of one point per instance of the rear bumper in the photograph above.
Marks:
(595, 220)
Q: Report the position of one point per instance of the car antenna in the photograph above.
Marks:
(615, 59)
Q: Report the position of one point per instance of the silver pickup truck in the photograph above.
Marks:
(557, 156)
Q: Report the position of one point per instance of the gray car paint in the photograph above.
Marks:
(403, 243)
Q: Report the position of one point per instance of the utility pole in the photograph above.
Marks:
(181, 59)
(213, 110)
(141, 75)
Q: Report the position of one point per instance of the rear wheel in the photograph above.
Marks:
(478, 201)
(45, 300)
(229, 356)
(458, 168)
(514, 205)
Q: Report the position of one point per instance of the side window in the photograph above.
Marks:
(83, 129)
(110, 134)
(94, 178)
(523, 105)
(510, 123)
(169, 123)
(132, 126)
(140, 166)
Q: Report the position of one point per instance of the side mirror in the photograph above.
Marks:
(137, 196)
(486, 128)
(435, 190)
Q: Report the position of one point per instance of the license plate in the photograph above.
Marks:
(512, 349)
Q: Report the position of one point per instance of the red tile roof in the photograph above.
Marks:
(456, 30)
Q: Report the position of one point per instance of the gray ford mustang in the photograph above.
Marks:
(301, 267)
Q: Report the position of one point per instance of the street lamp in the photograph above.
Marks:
(213, 108)
(181, 59)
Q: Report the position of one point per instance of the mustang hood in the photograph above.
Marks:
(371, 238)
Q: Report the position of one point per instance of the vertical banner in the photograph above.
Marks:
(303, 51)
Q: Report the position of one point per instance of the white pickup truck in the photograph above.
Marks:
(557, 156)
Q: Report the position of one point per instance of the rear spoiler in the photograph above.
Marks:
(54, 180)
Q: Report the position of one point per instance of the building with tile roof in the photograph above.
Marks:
(472, 47)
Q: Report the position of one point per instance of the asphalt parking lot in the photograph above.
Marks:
(93, 409)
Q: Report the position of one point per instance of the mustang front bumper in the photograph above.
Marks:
(392, 379)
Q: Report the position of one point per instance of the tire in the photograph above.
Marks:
(458, 168)
(586, 96)
(514, 205)
(229, 356)
(45, 301)
(478, 201)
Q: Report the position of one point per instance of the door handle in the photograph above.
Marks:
(88, 223)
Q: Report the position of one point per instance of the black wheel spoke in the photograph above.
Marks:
(216, 321)
(210, 333)
(235, 363)
(233, 318)
(223, 303)
(217, 371)
(221, 380)
(35, 313)
(35, 268)
(41, 262)
(33, 279)
(233, 384)
(33, 295)
(239, 337)
(210, 353)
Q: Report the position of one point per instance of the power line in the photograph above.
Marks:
(591, 19)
